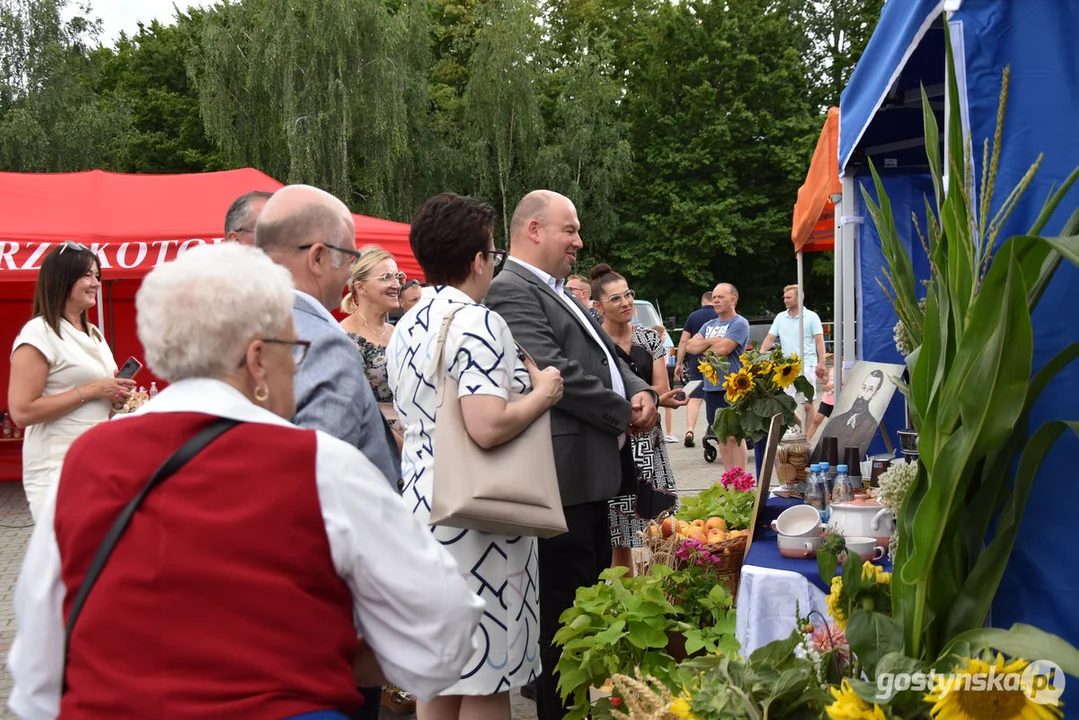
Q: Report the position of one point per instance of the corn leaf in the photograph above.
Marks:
(1021, 641)
(971, 606)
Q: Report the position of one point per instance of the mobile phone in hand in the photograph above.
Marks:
(130, 369)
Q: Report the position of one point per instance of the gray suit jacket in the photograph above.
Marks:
(586, 423)
(332, 392)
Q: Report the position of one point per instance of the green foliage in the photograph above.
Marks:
(622, 624)
(773, 682)
(970, 392)
(734, 506)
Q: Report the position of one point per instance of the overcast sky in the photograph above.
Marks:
(126, 14)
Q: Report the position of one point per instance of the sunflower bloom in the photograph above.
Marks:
(849, 706)
(835, 603)
(874, 573)
(969, 693)
(709, 371)
(680, 709)
(738, 385)
(786, 373)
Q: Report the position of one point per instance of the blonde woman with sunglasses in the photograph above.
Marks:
(62, 371)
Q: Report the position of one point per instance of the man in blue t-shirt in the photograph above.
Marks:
(727, 335)
(694, 323)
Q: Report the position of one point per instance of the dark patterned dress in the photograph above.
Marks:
(649, 450)
(481, 355)
(374, 362)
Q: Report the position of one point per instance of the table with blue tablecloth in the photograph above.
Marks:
(775, 591)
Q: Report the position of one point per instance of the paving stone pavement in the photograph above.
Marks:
(692, 475)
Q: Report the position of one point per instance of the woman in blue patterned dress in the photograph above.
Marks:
(452, 238)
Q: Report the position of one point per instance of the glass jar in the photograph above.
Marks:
(792, 460)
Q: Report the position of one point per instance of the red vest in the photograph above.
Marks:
(221, 599)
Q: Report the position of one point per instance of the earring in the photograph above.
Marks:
(262, 393)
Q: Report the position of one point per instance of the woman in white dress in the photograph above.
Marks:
(452, 238)
(62, 370)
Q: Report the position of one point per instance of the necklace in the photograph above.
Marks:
(386, 328)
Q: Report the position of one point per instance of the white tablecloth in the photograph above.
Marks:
(769, 603)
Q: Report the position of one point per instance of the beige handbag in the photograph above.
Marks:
(511, 489)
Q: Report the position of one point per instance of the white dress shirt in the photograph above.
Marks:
(617, 384)
(409, 599)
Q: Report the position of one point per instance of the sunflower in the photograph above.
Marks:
(848, 706)
(871, 572)
(738, 385)
(709, 371)
(954, 697)
(835, 603)
(786, 373)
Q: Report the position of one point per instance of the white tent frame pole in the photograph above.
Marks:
(850, 254)
(837, 297)
(802, 334)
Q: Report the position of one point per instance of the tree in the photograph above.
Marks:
(838, 31)
(587, 155)
(722, 132)
(147, 73)
(313, 92)
(502, 128)
(50, 118)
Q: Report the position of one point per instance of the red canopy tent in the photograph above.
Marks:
(133, 223)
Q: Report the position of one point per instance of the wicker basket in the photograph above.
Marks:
(664, 551)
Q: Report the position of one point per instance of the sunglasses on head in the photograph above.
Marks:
(410, 283)
(72, 245)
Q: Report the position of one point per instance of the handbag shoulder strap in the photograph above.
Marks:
(175, 461)
(439, 360)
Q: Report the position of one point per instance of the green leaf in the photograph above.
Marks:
(1019, 641)
(987, 385)
(971, 607)
(871, 636)
(827, 562)
(645, 636)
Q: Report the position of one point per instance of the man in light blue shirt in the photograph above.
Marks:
(809, 345)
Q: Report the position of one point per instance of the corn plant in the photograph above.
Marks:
(970, 394)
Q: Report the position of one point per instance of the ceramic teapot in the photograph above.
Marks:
(863, 518)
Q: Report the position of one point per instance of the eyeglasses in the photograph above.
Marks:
(499, 256)
(410, 283)
(79, 247)
(346, 251)
(627, 295)
(299, 347)
(387, 277)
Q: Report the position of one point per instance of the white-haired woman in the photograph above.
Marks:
(234, 589)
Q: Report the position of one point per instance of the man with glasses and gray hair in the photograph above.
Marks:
(242, 216)
(312, 234)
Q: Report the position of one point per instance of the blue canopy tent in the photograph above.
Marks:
(880, 118)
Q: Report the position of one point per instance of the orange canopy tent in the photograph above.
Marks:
(813, 228)
(134, 223)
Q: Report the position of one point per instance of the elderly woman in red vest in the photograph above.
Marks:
(251, 580)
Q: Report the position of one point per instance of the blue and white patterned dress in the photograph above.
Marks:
(481, 355)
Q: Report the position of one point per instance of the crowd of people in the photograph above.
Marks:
(285, 565)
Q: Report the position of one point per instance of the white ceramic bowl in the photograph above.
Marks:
(798, 521)
(865, 547)
(792, 546)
